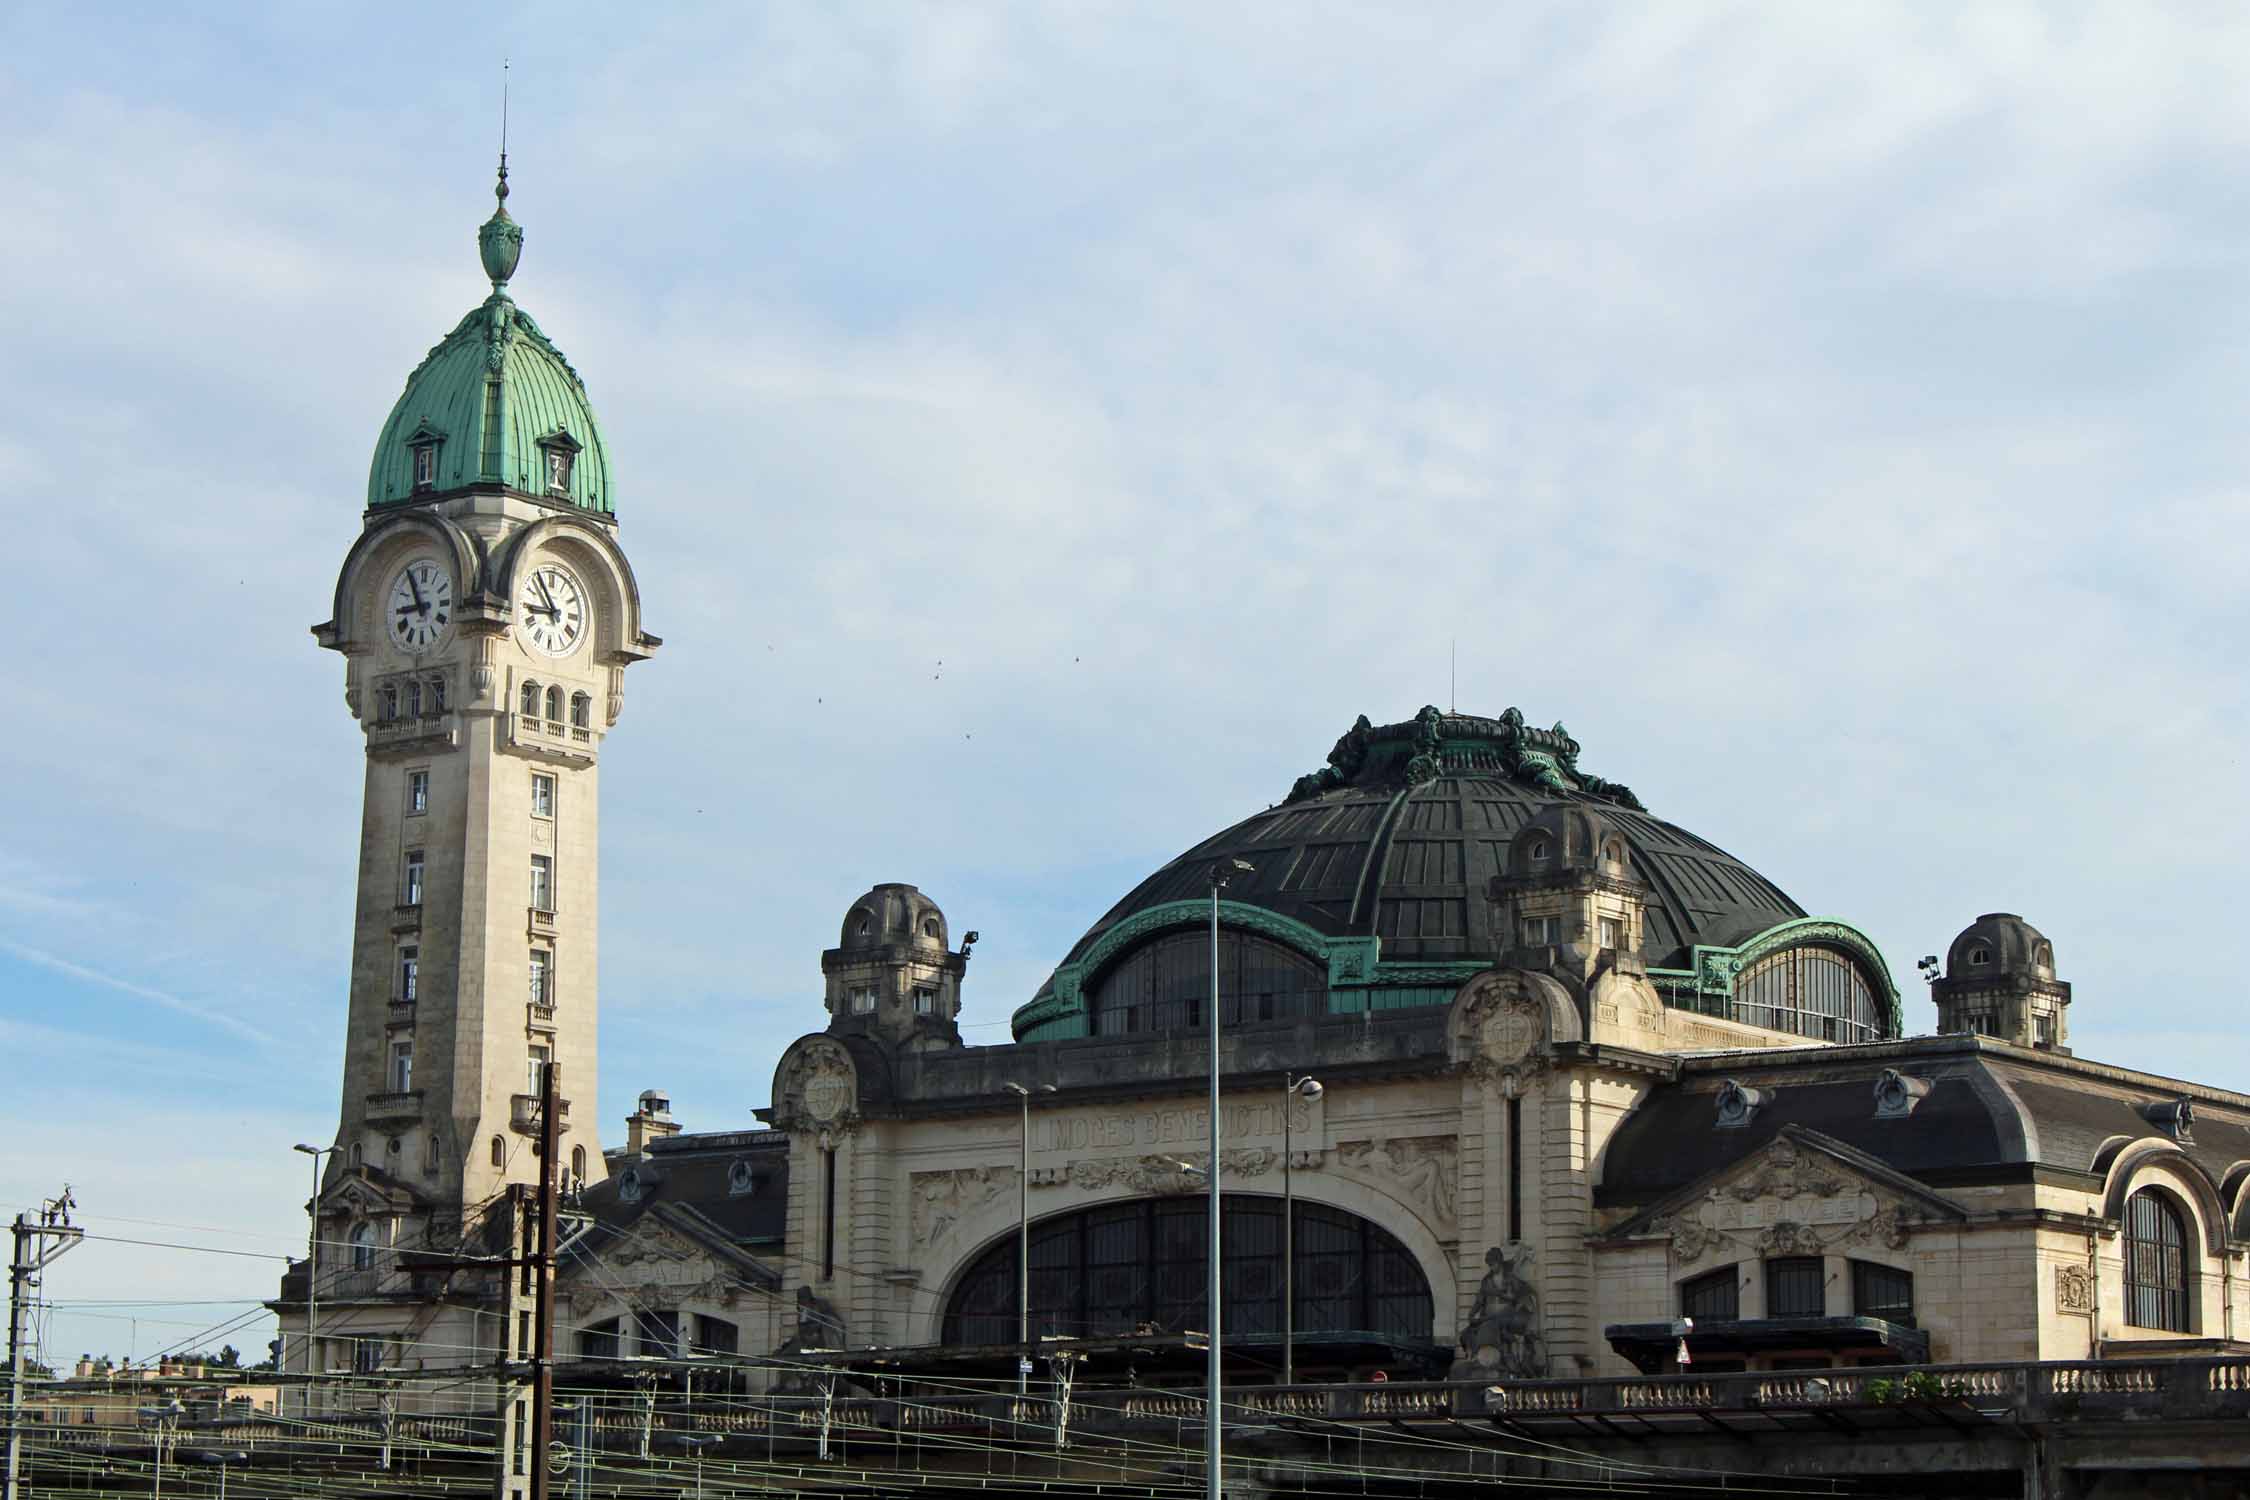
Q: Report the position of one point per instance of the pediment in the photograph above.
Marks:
(1801, 1193)
(359, 1196)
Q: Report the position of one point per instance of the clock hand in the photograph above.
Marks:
(545, 592)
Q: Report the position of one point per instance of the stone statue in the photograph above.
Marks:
(1502, 1335)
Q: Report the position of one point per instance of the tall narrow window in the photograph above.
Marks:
(542, 795)
(2156, 1281)
(1515, 1169)
(578, 1162)
(409, 973)
(536, 1072)
(413, 892)
(436, 701)
(417, 792)
(402, 1067)
(499, 1151)
(1796, 1287)
(554, 705)
(558, 470)
(542, 882)
(827, 1214)
(425, 465)
(413, 699)
(363, 1245)
(1883, 1292)
(541, 992)
(387, 704)
(581, 711)
(528, 705)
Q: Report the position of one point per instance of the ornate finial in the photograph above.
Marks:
(500, 240)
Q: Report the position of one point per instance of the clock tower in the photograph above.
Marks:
(486, 615)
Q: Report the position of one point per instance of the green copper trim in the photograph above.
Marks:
(1714, 969)
(1358, 978)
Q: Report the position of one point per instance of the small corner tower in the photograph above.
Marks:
(2000, 982)
(1569, 900)
(892, 976)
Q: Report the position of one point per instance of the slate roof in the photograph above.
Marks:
(1992, 1110)
(687, 1182)
(1412, 863)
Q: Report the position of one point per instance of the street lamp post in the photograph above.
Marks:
(1023, 1238)
(1213, 1418)
(312, 1271)
(1292, 1090)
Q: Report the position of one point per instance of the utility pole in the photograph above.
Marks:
(543, 1311)
(35, 1246)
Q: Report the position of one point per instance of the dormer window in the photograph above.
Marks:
(422, 455)
(558, 459)
(1980, 955)
(1538, 849)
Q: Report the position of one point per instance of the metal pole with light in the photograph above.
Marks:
(1221, 873)
(1023, 1239)
(1292, 1090)
(312, 1271)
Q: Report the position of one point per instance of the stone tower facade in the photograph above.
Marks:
(2000, 982)
(486, 615)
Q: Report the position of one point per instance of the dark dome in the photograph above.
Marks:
(892, 914)
(1999, 943)
(1400, 836)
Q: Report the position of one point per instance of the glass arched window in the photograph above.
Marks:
(581, 711)
(499, 1151)
(387, 701)
(530, 705)
(363, 1245)
(578, 1162)
(1815, 992)
(413, 700)
(554, 705)
(1165, 984)
(2156, 1279)
(1119, 1267)
(436, 699)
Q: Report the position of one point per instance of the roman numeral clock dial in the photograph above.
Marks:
(420, 606)
(551, 610)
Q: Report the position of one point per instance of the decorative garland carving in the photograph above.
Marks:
(1421, 1171)
(942, 1199)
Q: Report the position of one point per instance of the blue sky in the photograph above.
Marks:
(1833, 413)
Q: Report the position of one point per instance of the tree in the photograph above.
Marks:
(230, 1358)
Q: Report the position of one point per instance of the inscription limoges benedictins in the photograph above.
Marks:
(1149, 1129)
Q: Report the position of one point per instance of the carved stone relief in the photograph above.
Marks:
(2074, 1289)
(1788, 1203)
(1421, 1171)
(1156, 1174)
(1502, 1335)
(819, 1087)
(942, 1199)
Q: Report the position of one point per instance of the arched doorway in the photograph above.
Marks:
(1118, 1268)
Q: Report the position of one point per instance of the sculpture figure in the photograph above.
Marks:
(1502, 1335)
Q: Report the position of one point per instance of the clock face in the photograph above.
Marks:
(551, 610)
(420, 605)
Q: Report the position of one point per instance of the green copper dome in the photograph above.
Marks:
(493, 405)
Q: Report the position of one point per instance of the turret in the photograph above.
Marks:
(2000, 982)
(892, 976)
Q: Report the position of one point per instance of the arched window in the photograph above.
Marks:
(363, 1245)
(2156, 1279)
(1111, 1269)
(436, 700)
(387, 704)
(1165, 984)
(530, 705)
(413, 699)
(578, 1162)
(581, 711)
(1815, 992)
(499, 1151)
(554, 705)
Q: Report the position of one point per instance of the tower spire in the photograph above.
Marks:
(500, 238)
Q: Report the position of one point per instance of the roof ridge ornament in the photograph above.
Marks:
(1435, 742)
(500, 238)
